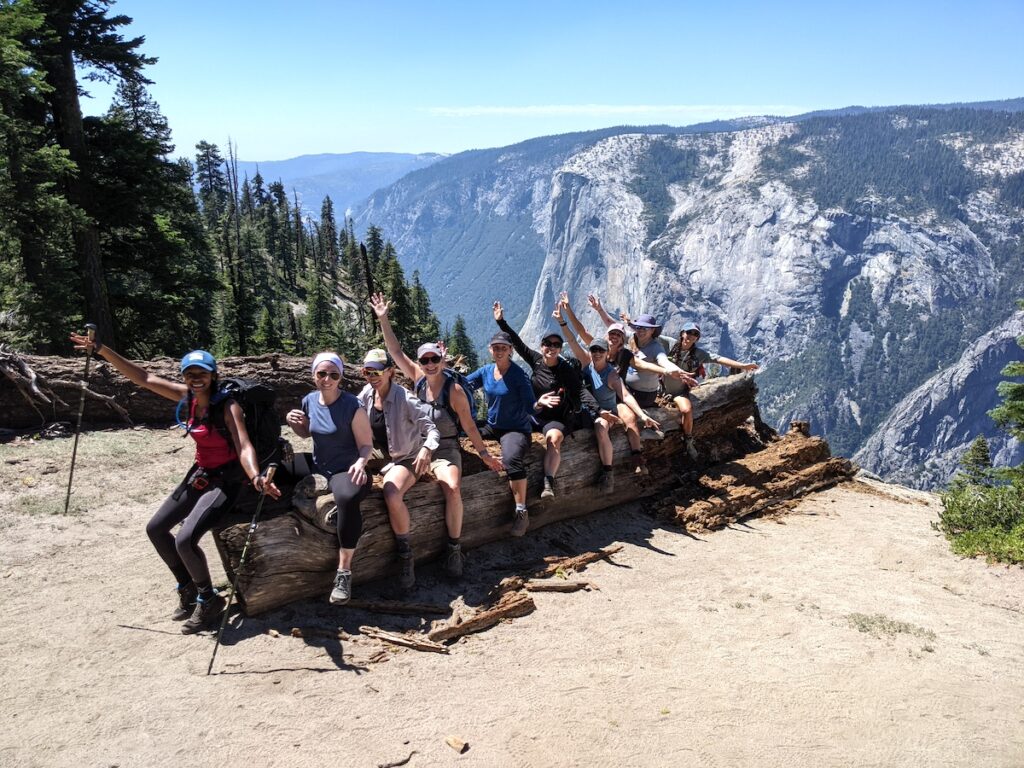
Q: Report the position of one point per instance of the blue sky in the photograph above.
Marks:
(282, 80)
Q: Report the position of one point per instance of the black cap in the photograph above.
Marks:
(501, 338)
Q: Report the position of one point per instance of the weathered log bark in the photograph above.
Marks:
(512, 605)
(58, 385)
(784, 471)
(290, 558)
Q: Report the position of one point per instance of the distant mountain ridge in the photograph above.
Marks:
(348, 178)
(852, 254)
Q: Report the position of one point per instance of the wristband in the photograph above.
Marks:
(563, 324)
(96, 347)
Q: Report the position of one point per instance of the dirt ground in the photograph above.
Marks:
(842, 634)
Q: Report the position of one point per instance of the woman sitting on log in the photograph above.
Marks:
(449, 407)
(224, 461)
(406, 439)
(620, 357)
(562, 404)
(689, 357)
(342, 444)
(509, 403)
(603, 382)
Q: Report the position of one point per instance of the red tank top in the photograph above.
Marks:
(213, 449)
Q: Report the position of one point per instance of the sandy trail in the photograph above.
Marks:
(843, 634)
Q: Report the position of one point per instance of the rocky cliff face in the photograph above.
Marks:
(921, 441)
(853, 257)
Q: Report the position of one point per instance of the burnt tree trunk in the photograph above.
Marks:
(290, 558)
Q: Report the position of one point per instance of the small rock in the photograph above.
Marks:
(457, 744)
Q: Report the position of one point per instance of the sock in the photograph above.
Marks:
(345, 570)
(549, 478)
(636, 452)
(520, 507)
(205, 593)
(453, 541)
(607, 467)
(403, 543)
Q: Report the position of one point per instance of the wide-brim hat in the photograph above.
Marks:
(645, 321)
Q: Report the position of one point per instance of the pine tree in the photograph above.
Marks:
(459, 343)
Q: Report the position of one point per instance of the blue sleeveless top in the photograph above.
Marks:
(334, 445)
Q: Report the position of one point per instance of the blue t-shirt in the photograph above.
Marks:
(598, 384)
(509, 399)
(334, 445)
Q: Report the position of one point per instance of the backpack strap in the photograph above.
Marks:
(445, 401)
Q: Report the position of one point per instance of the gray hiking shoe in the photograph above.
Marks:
(691, 449)
(407, 571)
(520, 522)
(205, 615)
(454, 561)
(186, 602)
(342, 588)
(549, 488)
(605, 482)
(651, 434)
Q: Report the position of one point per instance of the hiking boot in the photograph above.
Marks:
(640, 464)
(342, 588)
(205, 615)
(549, 488)
(186, 602)
(605, 481)
(407, 571)
(691, 449)
(520, 522)
(651, 434)
(454, 562)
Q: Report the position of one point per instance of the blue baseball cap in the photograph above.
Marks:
(199, 358)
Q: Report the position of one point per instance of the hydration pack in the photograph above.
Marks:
(445, 401)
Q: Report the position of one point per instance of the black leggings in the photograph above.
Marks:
(347, 495)
(514, 445)
(197, 511)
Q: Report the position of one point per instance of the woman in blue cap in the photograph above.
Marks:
(224, 461)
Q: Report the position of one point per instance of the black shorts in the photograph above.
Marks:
(645, 399)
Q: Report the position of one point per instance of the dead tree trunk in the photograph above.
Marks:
(290, 558)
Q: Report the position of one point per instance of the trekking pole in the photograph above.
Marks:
(271, 469)
(90, 331)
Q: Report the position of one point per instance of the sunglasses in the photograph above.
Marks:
(597, 350)
(332, 375)
(370, 373)
(692, 333)
(430, 360)
(553, 343)
(500, 347)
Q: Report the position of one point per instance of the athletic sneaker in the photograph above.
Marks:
(186, 602)
(640, 464)
(205, 615)
(520, 522)
(407, 570)
(454, 562)
(549, 488)
(691, 449)
(342, 588)
(605, 481)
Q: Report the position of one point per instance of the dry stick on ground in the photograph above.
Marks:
(512, 605)
(559, 586)
(397, 608)
(416, 643)
(575, 563)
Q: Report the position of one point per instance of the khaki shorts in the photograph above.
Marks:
(379, 464)
(447, 453)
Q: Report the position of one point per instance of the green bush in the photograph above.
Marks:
(985, 520)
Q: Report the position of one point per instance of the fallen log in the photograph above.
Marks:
(546, 585)
(38, 389)
(511, 606)
(784, 471)
(291, 558)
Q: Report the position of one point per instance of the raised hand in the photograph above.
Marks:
(557, 313)
(380, 305)
(563, 299)
(594, 301)
(499, 313)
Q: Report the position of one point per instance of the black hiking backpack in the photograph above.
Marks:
(450, 377)
(261, 421)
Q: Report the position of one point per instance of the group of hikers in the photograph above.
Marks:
(403, 434)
